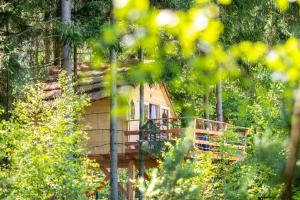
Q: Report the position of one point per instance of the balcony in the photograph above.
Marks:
(218, 139)
(223, 139)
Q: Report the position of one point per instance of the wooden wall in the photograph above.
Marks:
(155, 94)
(97, 121)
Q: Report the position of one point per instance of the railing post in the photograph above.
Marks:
(194, 131)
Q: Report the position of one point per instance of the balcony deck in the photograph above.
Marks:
(212, 137)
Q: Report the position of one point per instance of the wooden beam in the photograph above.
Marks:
(107, 174)
(216, 144)
(146, 177)
(209, 132)
(131, 177)
(100, 186)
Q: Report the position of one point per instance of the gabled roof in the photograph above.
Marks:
(169, 102)
(91, 82)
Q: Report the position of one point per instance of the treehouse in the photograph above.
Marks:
(161, 124)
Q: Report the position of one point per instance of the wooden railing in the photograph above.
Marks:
(199, 123)
(210, 135)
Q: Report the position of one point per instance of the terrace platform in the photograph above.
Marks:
(218, 139)
(210, 136)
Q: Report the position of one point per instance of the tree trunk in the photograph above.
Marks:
(75, 55)
(57, 52)
(7, 95)
(36, 53)
(131, 176)
(113, 126)
(141, 132)
(7, 81)
(219, 106)
(47, 41)
(206, 109)
(293, 149)
(56, 42)
(66, 50)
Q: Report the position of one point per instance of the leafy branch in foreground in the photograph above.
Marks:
(180, 175)
(45, 144)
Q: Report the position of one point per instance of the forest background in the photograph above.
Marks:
(240, 54)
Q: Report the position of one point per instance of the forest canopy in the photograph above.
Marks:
(228, 70)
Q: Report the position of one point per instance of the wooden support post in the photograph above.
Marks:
(194, 131)
(131, 176)
(101, 184)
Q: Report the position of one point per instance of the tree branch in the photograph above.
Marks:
(293, 149)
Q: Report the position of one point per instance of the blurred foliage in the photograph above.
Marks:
(251, 46)
(187, 173)
(43, 153)
(182, 174)
(190, 41)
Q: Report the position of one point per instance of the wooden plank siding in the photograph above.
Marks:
(96, 118)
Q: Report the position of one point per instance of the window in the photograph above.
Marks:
(165, 116)
(164, 113)
(154, 111)
(146, 111)
(132, 110)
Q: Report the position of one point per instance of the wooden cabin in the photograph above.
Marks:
(161, 124)
(96, 117)
(158, 110)
(157, 105)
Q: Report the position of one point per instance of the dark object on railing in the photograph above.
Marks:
(204, 147)
(154, 137)
(231, 140)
